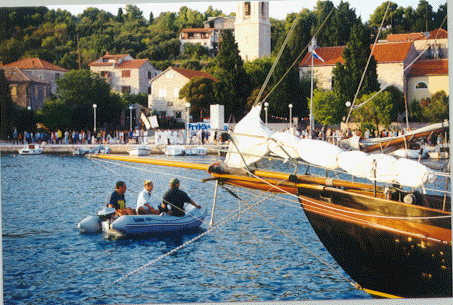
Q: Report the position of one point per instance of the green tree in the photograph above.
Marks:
(436, 109)
(348, 76)
(234, 85)
(379, 110)
(72, 107)
(397, 100)
(325, 107)
(7, 112)
(192, 65)
(199, 92)
(195, 51)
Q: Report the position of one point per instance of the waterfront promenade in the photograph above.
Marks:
(8, 148)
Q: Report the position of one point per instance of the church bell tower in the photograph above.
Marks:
(252, 30)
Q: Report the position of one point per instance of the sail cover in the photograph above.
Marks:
(250, 135)
(255, 141)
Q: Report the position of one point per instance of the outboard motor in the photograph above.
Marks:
(93, 224)
(106, 213)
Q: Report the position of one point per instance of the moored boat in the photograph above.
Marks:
(440, 151)
(101, 149)
(127, 225)
(30, 149)
(80, 151)
(196, 151)
(140, 151)
(174, 150)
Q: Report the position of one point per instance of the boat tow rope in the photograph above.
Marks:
(225, 220)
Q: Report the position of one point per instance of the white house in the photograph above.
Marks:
(426, 78)
(393, 60)
(251, 27)
(40, 70)
(209, 36)
(124, 73)
(165, 87)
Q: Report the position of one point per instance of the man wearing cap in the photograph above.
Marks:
(176, 199)
(145, 203)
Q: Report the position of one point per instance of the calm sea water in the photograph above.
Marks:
(47, 260)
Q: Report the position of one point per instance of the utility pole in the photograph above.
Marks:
(78, 50)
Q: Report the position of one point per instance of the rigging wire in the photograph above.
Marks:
(398, 75)
(295, 61)
(368, 62)
(298, 243)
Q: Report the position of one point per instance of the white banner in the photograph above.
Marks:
(145, 121)
(153, 121)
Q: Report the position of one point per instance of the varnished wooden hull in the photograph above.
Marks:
(388, 247)
(382, 252)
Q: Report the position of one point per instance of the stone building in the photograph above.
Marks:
(40, 69)
(26, 90)
(124, 73)
(164, 97)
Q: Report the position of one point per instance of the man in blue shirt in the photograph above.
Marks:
(176, 199)
(117, 200)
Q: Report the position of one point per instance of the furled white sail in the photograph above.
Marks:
(284, 145)
(318, 152)
(250, 135)
(255, 141)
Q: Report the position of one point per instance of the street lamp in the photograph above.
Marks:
(130, 108)
(94, 110)
(290, 117)
(187, 125)
(266, 104)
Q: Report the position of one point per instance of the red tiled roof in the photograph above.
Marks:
(34, 63)
(435, 34)
(95, 63)
(429, 67)
(15, 75)
(197, 30)
(108, 56)
(193, 73)
(331, 56)
(132, 64)
(383, 53)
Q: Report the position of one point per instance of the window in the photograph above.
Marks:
(149, 90)
(149, 75)
(170, 74)
(332, 82)
(104, 73)
(57, 76)
(169, 104)
(162, 92)
(176, 92)
(421, 85)
(247, 8)
(126, 73)
(13, 91)
(125, 89)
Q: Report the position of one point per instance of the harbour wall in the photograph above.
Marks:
(63, 149)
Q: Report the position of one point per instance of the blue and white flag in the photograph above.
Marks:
(317, 56)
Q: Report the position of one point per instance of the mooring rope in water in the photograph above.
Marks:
(297, 242)
(225, 220)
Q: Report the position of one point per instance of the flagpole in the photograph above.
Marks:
(311, 90)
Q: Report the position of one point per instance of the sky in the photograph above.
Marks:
(278, 8)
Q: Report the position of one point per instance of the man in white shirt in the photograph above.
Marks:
(145, 203)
